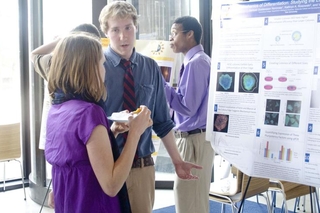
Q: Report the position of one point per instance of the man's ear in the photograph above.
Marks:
(190, 34)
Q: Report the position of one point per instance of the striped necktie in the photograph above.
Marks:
(129, 98)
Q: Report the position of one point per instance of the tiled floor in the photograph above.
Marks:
(13, 202)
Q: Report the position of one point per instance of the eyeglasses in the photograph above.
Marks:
(174, 34)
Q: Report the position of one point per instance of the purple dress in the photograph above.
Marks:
(76, 188)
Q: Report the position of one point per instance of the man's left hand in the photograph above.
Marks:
(183, 170)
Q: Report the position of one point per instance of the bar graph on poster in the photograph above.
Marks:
(264, 102)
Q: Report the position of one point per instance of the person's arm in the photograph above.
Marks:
(41, 58)
(183, 168)
(112, 175)
(44, 49)
(171, 147)
(163, 127)
(193, 89)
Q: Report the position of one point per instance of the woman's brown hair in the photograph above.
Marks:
(75, 67)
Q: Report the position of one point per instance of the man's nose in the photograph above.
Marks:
(122, 35)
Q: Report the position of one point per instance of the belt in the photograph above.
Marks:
(179, 134)
(143, 162)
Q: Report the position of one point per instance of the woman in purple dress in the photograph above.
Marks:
(88, 174)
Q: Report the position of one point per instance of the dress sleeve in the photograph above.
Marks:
(92, 117)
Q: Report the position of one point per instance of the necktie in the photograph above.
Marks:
(129, 98)
(181, 71)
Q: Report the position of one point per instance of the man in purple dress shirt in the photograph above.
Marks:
(189, 103)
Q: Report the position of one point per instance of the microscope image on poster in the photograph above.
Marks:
(272, 112)
(225, 82)
(249, 82)
(166, 72)
(220, 123)
(293, 111)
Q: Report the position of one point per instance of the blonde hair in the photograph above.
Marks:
(117, 9)
(75, 67)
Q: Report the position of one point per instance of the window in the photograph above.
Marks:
(9, 62)
(10, 107)
(71, 14)
(157, 16)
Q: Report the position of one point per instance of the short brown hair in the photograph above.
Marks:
(75, 67)
(117, 9)
(87, 27)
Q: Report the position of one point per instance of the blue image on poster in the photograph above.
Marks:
(315, 70)
(307, 157)
(258, 132)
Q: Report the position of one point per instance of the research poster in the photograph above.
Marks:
(264, 102)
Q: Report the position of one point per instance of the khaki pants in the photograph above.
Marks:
(193, 196)
(141, 189)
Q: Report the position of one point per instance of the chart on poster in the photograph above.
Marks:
(264, 102)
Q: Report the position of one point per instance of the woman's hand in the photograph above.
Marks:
(138, 120)
(119, 127)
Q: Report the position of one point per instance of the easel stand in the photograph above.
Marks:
(244, 195)
(45, 197)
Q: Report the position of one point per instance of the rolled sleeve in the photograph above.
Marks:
(41, 64)
(162, 123)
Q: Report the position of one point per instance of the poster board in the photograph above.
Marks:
(264, 98)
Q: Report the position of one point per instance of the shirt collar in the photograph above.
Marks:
(192, 52)
(115, 58)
